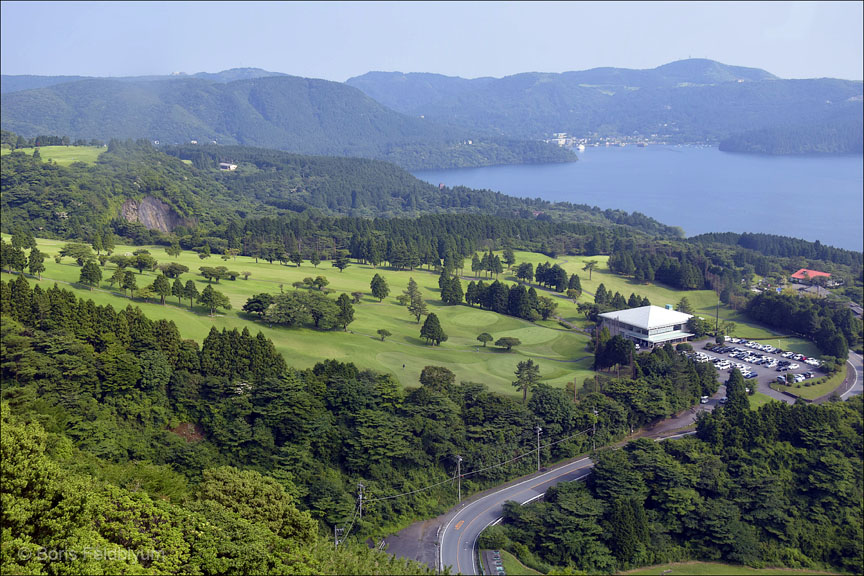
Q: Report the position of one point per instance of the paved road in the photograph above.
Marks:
(459, 535)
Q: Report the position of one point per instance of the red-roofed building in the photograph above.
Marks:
(805, 275)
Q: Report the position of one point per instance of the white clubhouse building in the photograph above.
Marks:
(648, 326)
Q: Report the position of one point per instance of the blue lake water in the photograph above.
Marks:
(699, 189)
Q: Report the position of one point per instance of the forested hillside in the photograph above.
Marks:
(781, 486)
(283, 112)
(686, 101)
(126, 405)
(81, 200)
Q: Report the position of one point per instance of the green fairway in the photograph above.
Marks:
(64, 155)
(561, 354)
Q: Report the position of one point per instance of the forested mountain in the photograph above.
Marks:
(282, 112)
(841, 134)
(686, 101)
(79, 200)
(17, 83)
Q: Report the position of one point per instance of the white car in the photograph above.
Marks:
(794, 366)
(704, 399)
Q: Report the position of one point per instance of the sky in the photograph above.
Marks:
(335, 40)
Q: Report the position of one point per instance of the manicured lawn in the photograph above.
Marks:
(64, 155)
(715, 568)
(758, 399)
(813, 392)
(561, 354)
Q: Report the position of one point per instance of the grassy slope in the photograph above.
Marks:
(813, 392)
(303, 347)
(563, 355)
(64, 155)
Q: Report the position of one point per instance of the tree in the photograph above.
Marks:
(190, 291)
(573, 294)
(508, 342)
(346, 311)
(129, 283)
(205, 252)
(36, 262)
(245, 275)
(475, 264)
(684, 306)
(590, 265)
(296, 258)
(79, 252)
(143, 262)
(173, 269)
(509, 257)
(527, 376)
(91, 274)
(162, 287)
(117, 277)
(341, 262)
(177, 290)
(416, 305)
(212, 299)
(546, 307)
(258, 304)
(384, 333)
(174, 249)
(97, 244)
(315, 260)
(432, 330)
(320, 282)
(22, 239)
(438, 378)
(379, 287)
(484, 338)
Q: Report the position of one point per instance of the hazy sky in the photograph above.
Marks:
(335, 40)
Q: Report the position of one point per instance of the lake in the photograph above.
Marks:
(699, 189)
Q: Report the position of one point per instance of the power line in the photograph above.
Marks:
(472, 473)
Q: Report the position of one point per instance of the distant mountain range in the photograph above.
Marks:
(432, 121)
(687, 101)
(252, 107)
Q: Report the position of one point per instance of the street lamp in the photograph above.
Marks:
(538, 429)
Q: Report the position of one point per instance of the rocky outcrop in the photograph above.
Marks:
(153, 213)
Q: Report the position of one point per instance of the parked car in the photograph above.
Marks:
(704, 399)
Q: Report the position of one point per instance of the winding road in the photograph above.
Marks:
(459, 536)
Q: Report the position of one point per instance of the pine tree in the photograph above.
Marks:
(162, 287)
(177, 290)
(36, 262)
(190, 291)
(432, 330)
(129, 283)
(527, 376)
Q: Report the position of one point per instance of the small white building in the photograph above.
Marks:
(227, 166)
(648, 326)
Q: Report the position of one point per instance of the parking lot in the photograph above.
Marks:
(760, 363)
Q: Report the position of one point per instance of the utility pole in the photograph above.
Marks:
(717, 318)
(538, 430)
(594, 432)
(360, 487)
(337, 533)
(459, 477)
